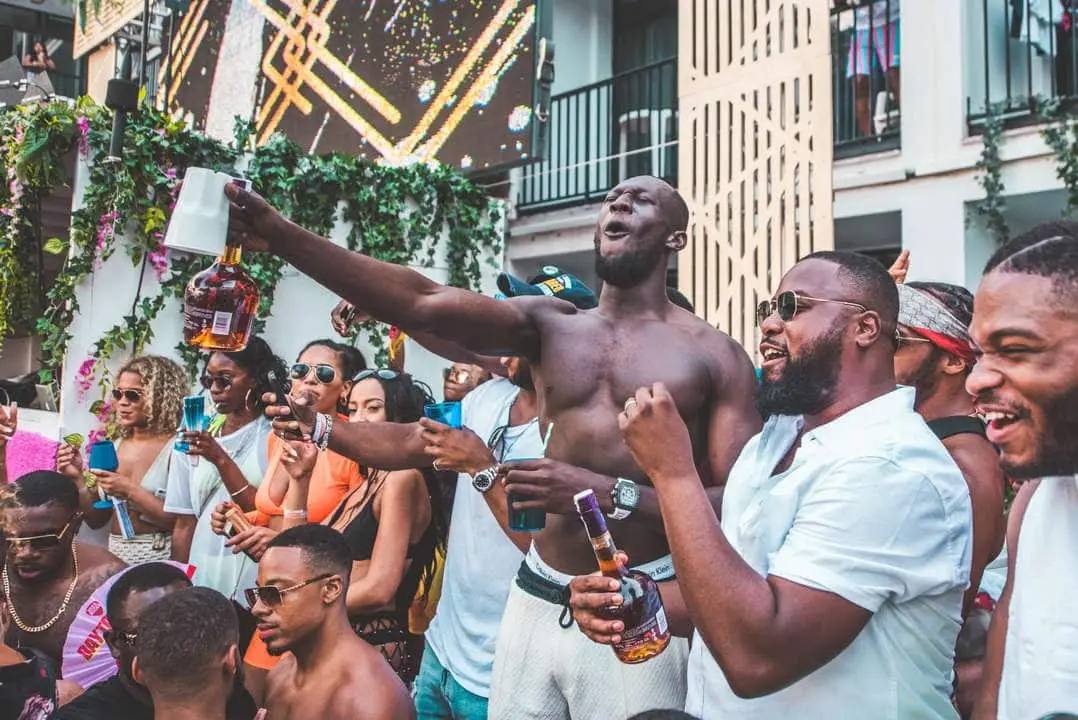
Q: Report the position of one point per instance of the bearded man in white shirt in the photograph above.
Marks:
(834, 586)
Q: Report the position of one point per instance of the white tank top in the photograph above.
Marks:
(1040, 662)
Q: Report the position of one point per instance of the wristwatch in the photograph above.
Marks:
(626, 496)
(484, 479)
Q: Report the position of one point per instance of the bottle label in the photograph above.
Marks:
(196, 319)
(222, 323)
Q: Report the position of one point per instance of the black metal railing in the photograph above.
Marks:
(1022, 52)
(865, 60)
(603, 133)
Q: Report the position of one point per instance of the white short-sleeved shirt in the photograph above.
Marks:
(873, 509)
(480, 561)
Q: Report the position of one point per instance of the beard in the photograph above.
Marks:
(808, 383)
(924, 379)
(1058, 453)
(629, 268)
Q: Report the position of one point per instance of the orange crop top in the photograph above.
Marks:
(333, 476)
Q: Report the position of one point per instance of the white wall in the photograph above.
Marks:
(300, 314)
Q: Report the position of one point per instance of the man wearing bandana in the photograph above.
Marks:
(934, 356)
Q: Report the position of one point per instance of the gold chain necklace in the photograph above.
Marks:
(63, 606)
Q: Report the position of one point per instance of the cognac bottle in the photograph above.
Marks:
(220, 305)
(646, 632)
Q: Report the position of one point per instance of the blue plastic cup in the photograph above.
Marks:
(531, 520)
(447, 413)
(103, 457)
(194, 420)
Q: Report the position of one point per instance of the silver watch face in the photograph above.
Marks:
(483, 480)
(628, 495)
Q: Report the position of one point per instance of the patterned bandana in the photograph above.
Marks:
(930, 318)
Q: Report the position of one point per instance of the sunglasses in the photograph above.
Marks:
(124, 638)
(787, 304)
(40, 542)
(210, 381)
(380, 374)
(131, 396)
(272, 596)
(903, 338)
(325, 374)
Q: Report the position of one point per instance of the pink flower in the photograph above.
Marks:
(83, 123)
(159, 262)
(170, 174)
(84, 378)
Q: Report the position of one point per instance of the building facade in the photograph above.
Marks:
(913, 84)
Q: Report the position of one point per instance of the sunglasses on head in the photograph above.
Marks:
(380, 374)
(210, 381)
(47, 541)
(787, 304)
(272, 596)
(325, 374)
(131, 396)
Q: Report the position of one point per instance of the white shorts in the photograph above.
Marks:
(544, 671)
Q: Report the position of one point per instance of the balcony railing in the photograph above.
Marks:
(1018, 52)
(865, 59)
(603, 133)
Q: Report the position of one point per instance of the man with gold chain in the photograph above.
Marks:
(48, 576)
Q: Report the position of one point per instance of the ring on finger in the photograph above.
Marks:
(630, 403)
(435, 464)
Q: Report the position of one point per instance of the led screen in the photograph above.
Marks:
(450, 80)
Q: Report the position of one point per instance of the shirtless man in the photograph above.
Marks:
(187, 654)
(48, 575)
(330, 672)
(587, 363)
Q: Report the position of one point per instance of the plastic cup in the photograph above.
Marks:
(103, 457)
(531, 520)
(447, 413)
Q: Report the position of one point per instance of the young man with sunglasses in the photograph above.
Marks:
(48, 575)
(586, 362)
(833, 587)
(121, 695)
(329, 672)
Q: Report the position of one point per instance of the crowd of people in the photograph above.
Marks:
(827, 531)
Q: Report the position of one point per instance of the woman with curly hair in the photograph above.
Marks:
(234, 461)
(147, 403)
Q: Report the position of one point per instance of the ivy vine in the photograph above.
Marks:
(992, 208)
(396, 215)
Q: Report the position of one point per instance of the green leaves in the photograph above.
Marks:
(56, 246)
(394, 214)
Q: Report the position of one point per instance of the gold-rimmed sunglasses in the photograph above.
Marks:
(787, 304)
(272, 596)
(47, 541)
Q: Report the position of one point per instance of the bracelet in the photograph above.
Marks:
(295, 514)
(323, 427)
(321, 421)
(239, 492)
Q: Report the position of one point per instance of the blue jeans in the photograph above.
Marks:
(439, 697)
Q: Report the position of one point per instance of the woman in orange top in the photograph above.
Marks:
(322, 375)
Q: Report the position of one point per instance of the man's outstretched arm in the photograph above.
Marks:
(392, 293)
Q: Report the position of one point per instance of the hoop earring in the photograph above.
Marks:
(247, 400)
